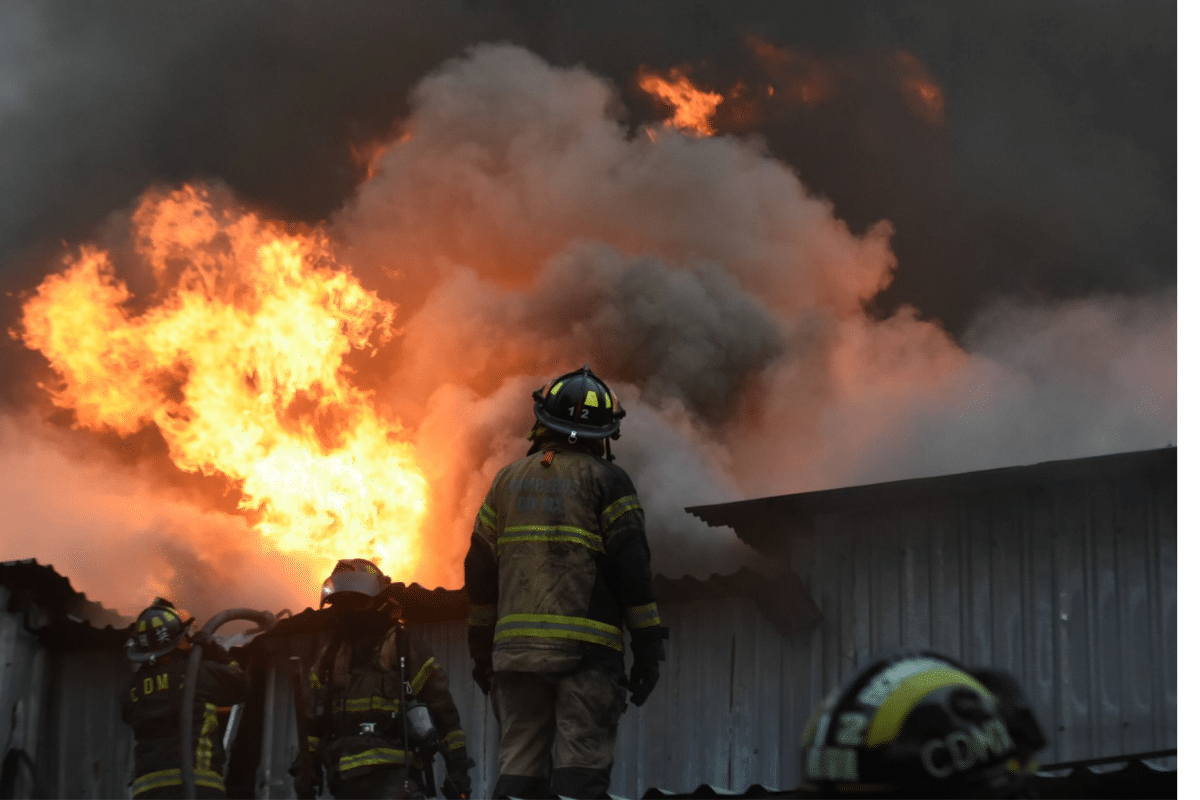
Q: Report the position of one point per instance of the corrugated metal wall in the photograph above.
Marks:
(23, 694)
(62, 732)
(1070, 586)
(729, 714)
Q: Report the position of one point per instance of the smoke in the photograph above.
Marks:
(523, 224)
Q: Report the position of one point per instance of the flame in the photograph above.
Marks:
(801, 78)
(920, 91)
(367, 155)
(693, 107)
(240, 364)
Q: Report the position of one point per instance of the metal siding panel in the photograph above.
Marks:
(914, 583)
(1162, 524)
(945, 576)
(977, 619)
(1074, 668)
(1107, 717)
(1007, 601)
(885, 584)
(22, 692)
(1040, 678)
(859, 617)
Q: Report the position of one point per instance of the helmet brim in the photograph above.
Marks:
(576, 429)
(341, 584)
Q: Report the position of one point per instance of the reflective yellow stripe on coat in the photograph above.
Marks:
(555, 626)
(376, 756)
(174, 777)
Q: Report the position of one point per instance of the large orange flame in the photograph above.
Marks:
(693, 107)
(240, 364)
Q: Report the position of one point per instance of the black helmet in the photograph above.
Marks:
(353, 576)
(916, 723)
(579, 404)
(158, 630)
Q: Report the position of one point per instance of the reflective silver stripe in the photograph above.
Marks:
(624, 505)
(552, 533)
(642, 616)
(487, 516)
(554, 626)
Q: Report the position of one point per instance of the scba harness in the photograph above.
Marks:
(367, 710)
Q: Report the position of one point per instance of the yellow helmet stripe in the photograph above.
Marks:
(885, 726)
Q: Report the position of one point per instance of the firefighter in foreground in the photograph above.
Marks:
(151, 706)
(915, 723)
(558, 560)
(380, 704)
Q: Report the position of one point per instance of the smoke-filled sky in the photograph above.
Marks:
(924, 239)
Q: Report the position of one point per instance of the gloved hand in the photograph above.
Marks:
(457, 785)
(458, 779)
(483, 674)
(648, 650)
(642, 677)
(304, 789)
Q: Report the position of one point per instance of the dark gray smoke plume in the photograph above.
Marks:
(926, 239)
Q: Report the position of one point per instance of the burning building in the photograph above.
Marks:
(269, 312)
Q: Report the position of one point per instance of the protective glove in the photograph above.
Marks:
(458, 779)
(457, 785)
(304, 789)
(483, 674)
(307, 787)
(648, 650)
(642, 677)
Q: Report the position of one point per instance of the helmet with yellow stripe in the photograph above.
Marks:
(157, 631)
(579, 405)
(916, 723)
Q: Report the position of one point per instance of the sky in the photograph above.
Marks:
(922, 239)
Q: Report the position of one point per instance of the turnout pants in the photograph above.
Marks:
(558, 730)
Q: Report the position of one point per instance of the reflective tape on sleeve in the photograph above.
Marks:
(622, 506)
(638, 617)
(455, 740)
(418, 681)
(554, 626)
(487, 517)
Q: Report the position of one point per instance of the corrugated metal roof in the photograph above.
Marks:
(768, 523)
(40, 583)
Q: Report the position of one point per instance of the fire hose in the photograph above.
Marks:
(265, 620)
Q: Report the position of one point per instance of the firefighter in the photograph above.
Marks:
(914, 723)
(151, 705)
(558, 561)
(375, 722)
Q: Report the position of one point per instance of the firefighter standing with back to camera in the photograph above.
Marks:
(558, 559)
(152, 704)
(375, 721)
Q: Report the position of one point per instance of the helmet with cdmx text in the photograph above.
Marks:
(353, 579)
(579, 405)
(157, 631)
(915, 723)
